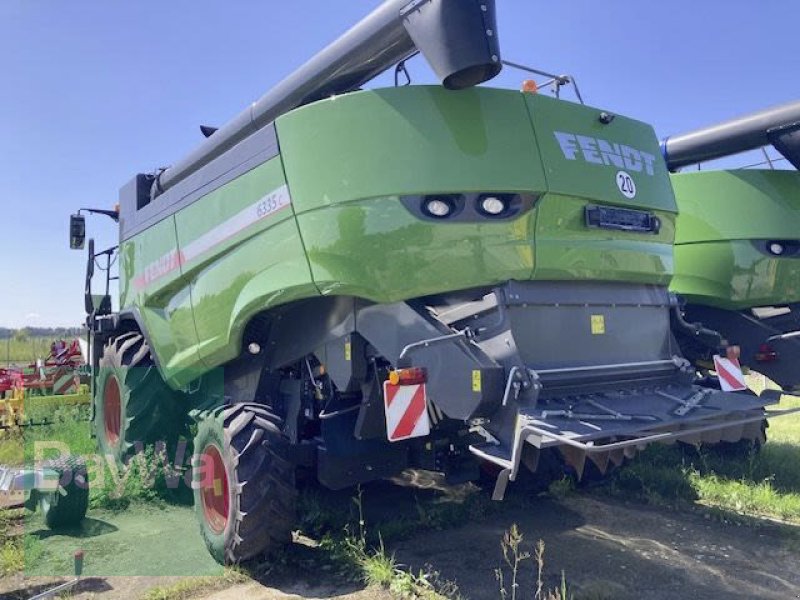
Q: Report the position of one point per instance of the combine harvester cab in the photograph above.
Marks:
(737, 247)
(421, 276)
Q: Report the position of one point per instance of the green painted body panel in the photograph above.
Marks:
(348, 160)
(376, 249)
(345, 162)
(721, 214)
(412, 140)
(261, 266)
(164, 304)
(589, 173)
(195, 314)
(567, 249)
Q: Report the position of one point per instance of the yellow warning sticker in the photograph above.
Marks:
(476, 380)
(598, 325)
(347, 351)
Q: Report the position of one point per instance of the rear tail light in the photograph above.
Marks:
(766, 353)
(410, 376)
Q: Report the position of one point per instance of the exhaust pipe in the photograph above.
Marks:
(779, 126)
(458, 38)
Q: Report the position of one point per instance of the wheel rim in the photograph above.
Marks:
(112, 410)
(216, 501)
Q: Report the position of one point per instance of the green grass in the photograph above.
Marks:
(11, 447)
(761, 484)
(358, 553)
(12, 553)
(757, 483)
(192, 586)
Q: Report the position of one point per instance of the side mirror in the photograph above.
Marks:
(77, 231)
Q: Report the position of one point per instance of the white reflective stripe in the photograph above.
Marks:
(422, 427)
(270, 204)
(400, 402)
(731, 378)
(406, 411)
(265, 207)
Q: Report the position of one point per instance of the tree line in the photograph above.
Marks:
(39, 332)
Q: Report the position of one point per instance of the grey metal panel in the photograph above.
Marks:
(345, 362)
(561, 336)
(582, 293)
(298, 329)
(729, 137)
(548, 325)
(251, 152)
(391, 327)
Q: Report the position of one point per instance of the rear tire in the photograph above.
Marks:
(133, 406)
(245, 491)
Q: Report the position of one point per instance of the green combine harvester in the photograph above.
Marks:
(353, 282)
(737, 245)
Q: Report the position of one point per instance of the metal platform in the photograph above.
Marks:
(642, 413)
(611, 426)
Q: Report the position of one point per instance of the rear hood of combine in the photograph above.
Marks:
(737, 205)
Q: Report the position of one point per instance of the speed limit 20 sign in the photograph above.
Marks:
(626, 185)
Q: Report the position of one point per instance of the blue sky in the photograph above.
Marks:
(92, 92)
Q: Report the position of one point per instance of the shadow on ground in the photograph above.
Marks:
(607, 548)
(89, 528)
(90, 585)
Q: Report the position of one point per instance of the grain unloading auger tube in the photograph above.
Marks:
(737, 252)
(458, 39)
(778, 126)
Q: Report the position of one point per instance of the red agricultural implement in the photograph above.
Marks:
(53, 382)
(55, 375)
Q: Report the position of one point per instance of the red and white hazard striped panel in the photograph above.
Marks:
(65, 382)
(406, 411)
(730, 374)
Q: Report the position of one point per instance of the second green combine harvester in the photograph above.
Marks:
(737, 252)
(420, 276)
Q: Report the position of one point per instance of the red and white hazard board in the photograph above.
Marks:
(406, 408)
(730, 374)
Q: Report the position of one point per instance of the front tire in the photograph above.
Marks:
(245, 490)
(133, 406)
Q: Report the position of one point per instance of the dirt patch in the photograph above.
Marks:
(623, 551)
(256, 591)
(20, 587)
